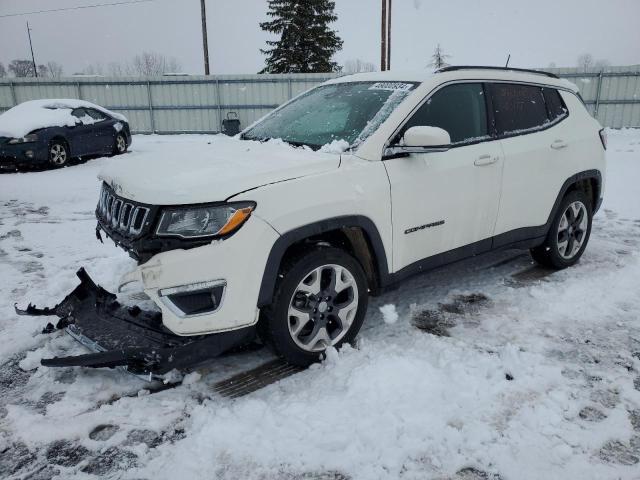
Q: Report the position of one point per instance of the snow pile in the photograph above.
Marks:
(35, 114)
(337, 146)
(389, 314)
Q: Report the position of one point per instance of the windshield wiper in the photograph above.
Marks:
(244, 136)
(312, 146)
(293, 143)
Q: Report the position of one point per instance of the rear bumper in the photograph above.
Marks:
(128, 337)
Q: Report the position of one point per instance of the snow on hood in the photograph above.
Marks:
(34, 114)
(211, 170)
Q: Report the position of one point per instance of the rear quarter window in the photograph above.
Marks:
(518, 108)
(555, 105)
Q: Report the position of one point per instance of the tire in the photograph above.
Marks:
(308, 313)
(58, 153)
(119, 144)
(569, 233)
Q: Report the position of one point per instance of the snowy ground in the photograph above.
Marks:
(493, 369)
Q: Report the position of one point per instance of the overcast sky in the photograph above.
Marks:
(472, 32)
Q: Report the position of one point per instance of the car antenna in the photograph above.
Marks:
(507, 64)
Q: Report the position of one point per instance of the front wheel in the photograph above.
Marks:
(120, 144)
(320, 302)
(569, 233)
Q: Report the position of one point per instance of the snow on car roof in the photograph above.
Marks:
(35, 114)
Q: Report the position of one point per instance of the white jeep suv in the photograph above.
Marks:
(376, 177)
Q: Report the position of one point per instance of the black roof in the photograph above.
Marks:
(507, 69)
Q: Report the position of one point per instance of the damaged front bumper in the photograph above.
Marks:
(128, 337)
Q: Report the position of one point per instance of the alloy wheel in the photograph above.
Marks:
(58, 154)
(121, 145)
(323, 307)
(572, 230)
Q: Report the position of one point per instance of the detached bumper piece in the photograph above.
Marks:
(128, 337)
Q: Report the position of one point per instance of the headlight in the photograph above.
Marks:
(32, 137)
(207, 221)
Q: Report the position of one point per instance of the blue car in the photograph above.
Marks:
(53, 132)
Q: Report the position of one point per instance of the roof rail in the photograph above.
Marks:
(479, 67)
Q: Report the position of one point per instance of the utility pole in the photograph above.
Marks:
(389, 36)
(383, 37)
(33, 59)
(205, 43)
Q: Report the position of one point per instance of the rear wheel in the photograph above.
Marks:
(320, 302)
(569, 233)
(120, 144)
(58, 153)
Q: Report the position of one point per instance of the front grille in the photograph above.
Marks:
(121, 215)
(130, 225)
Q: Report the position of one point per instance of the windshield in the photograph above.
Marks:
(348, 112)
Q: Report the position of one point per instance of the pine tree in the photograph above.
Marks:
(306, 43)
(439, 58)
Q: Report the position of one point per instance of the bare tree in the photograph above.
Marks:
(115, 69)
(357, 66)
(439, 58)
(602, 64)
(54, 69)
(43, 71)
(3, 71)
(21, 68)
(146, 64)
(151, 63)
(585, 62)
(93, 69)
(172, 66)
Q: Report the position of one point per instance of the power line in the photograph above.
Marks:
(130, 2)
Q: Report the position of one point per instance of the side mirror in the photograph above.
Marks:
(426, 137)
(420, 140)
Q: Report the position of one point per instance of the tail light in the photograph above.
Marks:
(603, 138)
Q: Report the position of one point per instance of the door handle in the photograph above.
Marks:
(559, 144)
(483, 160)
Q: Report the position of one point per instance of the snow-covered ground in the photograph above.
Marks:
(488, 369)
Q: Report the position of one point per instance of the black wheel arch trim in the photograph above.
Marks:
(539, 233)
(296, 235)
(585, 175)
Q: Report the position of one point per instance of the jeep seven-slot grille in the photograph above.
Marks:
(121, 215)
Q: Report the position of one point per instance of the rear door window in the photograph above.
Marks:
(459, 109)
(96, 115)
(518, 108)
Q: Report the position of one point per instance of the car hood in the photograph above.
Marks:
(209, 169)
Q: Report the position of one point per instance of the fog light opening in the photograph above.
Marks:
(195, 299)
